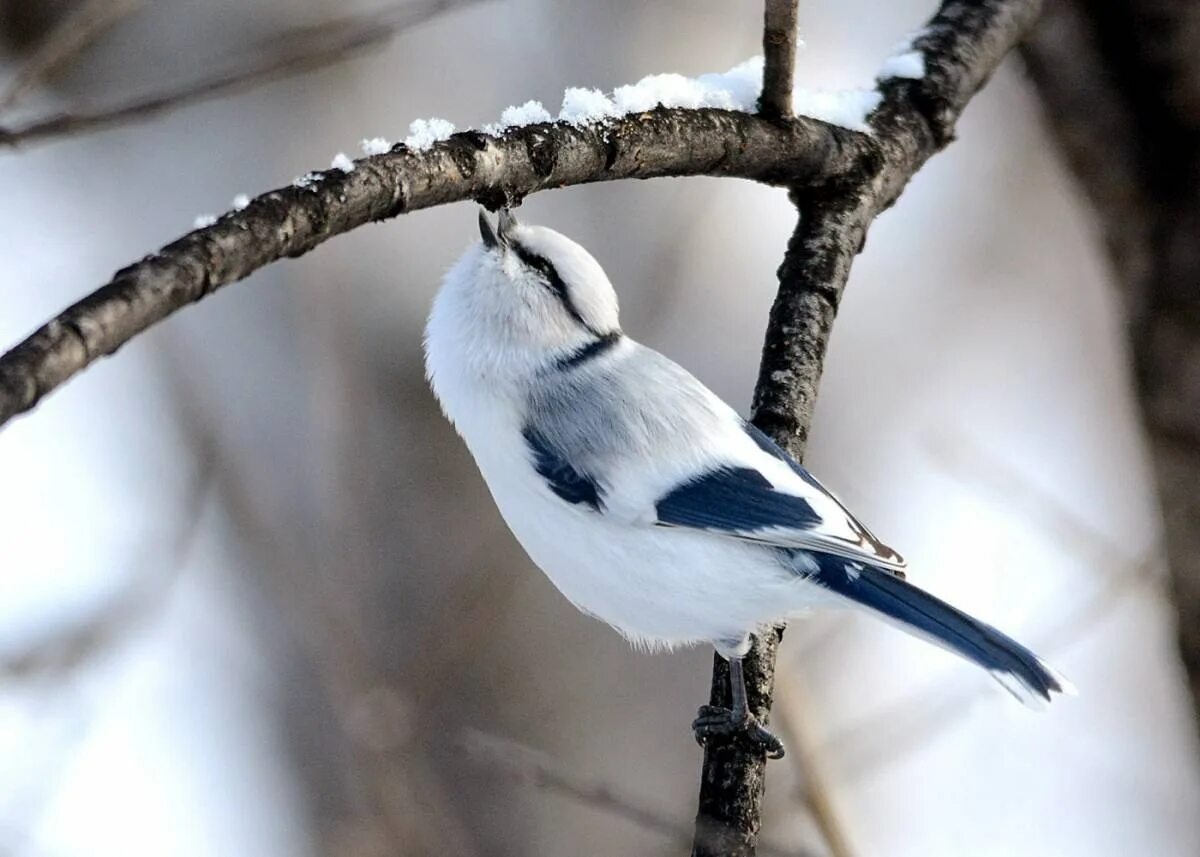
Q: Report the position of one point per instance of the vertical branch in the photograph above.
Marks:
(779, 51)
(729, 815)
(960, 47)
(814, 271)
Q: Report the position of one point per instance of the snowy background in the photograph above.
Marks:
(252, 590)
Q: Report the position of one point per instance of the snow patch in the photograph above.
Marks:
(848, 108)
(582, 107)
(240, 201)
(375, 146)
(529, 113)
(342, 162)
(423, 133)
(737, 89)
(905, 61)
(306, 181)
(203, 221)
(910, 64)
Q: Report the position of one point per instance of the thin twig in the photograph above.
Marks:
(81, 26)
(293, 52)
(779, 54)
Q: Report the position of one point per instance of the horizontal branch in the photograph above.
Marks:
(492, 169)
(961, 46)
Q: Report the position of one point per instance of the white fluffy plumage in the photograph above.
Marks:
(645, 498)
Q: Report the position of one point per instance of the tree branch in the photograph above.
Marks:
(292, 221)
(839, 181)
(961, 45)
(779, 53)
(292, 52)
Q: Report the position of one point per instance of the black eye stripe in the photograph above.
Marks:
(553, 281)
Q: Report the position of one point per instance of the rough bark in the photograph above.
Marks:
(1120, 81)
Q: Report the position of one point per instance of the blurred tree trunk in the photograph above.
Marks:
(1120, 83)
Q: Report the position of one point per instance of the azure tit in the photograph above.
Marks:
(646, 499)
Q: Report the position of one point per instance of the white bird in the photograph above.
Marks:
(646, 499)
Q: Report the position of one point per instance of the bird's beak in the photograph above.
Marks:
(486, 232)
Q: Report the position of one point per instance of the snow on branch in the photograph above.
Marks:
(913, 118)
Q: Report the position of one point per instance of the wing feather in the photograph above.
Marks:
(633, 436)
(741, 502)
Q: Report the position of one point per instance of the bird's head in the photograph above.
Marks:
(534, 290)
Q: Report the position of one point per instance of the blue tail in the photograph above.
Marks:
(1019, 670)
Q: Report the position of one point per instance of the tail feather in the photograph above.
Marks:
(1017, 669)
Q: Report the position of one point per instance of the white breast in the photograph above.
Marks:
(660, 587)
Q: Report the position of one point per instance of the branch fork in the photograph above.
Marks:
(840, 181)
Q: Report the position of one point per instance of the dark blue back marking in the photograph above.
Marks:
(563, 479)
(590, 351)
(736, 500)
(887, 594)
(771, 448)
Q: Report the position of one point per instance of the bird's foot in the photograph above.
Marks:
(714, 720)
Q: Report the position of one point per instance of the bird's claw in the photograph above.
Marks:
(714, 720)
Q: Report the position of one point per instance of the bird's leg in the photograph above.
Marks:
(715, 720)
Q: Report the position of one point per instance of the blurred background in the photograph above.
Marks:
(255, 599)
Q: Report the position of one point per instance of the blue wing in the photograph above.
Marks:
(737, 501)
